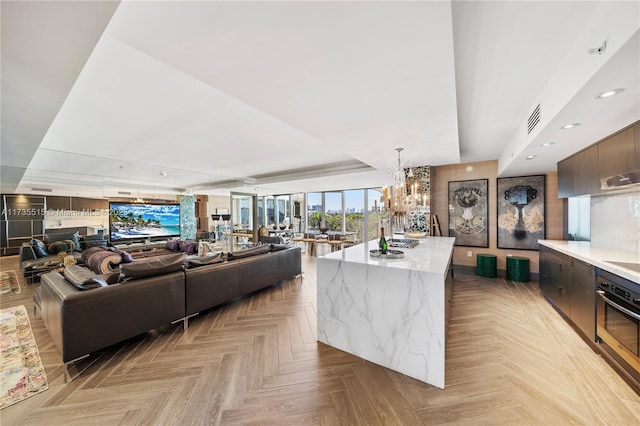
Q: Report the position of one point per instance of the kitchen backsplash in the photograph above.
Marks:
(615, 221)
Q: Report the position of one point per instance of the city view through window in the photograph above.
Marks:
(347, 213)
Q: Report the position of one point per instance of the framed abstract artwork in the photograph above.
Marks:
(521, 212)
(468, 212)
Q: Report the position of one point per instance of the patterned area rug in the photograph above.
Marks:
(9, 282)
(21, 371)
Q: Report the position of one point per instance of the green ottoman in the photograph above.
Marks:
(517, 268)
(486, 265)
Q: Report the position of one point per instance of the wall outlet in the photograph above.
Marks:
(469, 253)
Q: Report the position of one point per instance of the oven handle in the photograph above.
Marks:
(615, 305)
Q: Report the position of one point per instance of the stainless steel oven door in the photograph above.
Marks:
(618, 325)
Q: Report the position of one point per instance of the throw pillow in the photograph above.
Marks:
(188, 247)
(253, 251)
(103, 261)
(172, 245)
(196, 261)
(72, 236)
(60, 246)
(39, 248)
(126, 256)
(204, 248)
(86, 254)
(154, 266)
(82, 278)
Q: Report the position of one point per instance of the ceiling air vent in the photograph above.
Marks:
(533, 119)
(41, 189)
(124, 193)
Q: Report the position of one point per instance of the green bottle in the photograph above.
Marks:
(382, 244)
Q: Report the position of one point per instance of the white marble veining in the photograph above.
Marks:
(390, 312)
(597, 255)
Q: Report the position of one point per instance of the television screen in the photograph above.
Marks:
(135, 221)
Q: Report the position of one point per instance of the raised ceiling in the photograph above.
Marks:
(101, 98)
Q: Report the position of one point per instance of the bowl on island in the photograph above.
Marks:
(415, 234)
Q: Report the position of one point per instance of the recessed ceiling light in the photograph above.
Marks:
(609, 93)
(570, 126)
(548, 144)
(530, 157)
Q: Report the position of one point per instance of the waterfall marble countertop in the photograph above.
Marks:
(392, 312)
(598, 256)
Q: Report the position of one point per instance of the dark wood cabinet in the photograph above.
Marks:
(58, 203)
(570, 285)
(616, 154)
(22, 219)
(577, 175)
(583, 297)
(580, 174)
(566, 181)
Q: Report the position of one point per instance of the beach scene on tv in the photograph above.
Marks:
(140, 221)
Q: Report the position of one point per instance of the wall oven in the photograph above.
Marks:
(618, 320)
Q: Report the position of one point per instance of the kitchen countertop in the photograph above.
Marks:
(598, 256)
(432, 254)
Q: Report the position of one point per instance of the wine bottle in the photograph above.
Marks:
(382, 244)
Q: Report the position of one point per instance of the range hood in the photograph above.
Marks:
(621, 180)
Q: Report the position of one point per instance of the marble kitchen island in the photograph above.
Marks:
(392, 312)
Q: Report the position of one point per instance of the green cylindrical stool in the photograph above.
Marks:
(486, 265)
(517, 268)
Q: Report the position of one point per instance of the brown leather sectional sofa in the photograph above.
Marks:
(84, 321)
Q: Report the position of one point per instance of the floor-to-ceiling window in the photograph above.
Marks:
(314, 210)
(271, 211)
(377, 216)
(354, 212)
(333, 211)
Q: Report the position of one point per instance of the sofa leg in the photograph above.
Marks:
(185, 321)
(68, 366)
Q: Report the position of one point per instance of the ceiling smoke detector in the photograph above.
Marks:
(598, 50)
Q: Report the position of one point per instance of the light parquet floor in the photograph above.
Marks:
(511, 359)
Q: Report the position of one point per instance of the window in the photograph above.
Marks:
(333, 211)
(377, 216)
(354, 212)
(314, 210)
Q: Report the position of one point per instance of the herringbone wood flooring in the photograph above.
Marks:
(510, 360)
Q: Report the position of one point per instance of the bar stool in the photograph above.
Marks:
(486, 265)
(517, 268)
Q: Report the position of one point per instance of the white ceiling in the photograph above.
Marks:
(100, 98)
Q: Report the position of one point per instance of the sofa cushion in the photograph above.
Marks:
(83, 278)
(253, 251)
(172, 245)
(195, 261)
(39, 247)
(86, 254)
(152, 266)
(60, 246)
(73, 236)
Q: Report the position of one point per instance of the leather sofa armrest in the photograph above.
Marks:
(26, 252)
(83, 321)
